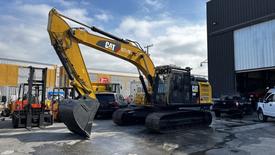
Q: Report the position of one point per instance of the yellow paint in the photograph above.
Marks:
(63, 78)
(205, 93)
(8, 75)
(51, 77)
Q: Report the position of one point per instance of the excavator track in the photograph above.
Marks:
(122, 117)
(163, 122)
(131, 115)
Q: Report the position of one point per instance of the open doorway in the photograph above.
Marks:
(255, 83)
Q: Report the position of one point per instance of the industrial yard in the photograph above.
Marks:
(149, 77)
(224, 136)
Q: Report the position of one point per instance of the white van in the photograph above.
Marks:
(266, 106)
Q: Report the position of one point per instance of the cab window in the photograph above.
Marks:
(266, 96)
(271, 98)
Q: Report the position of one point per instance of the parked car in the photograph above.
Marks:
(232, 105)
(266, 106)
(109, 102)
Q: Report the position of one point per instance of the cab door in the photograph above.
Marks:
(272, 106)
(269, 105)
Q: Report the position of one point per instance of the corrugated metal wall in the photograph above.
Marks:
(229, 13)
(223, 17)
(221, 64)
(254, 46)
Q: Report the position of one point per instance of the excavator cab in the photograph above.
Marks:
(173, 88)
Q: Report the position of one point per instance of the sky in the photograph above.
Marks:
(176, 28)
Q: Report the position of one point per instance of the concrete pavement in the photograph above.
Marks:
(225, 136)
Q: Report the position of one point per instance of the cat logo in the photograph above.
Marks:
(109, 45)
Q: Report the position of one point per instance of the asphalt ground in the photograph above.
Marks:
(225, 136)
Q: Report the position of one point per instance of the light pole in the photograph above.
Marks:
(147, 48)
(204, 62)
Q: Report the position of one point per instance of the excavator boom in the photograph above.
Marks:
(65, 41)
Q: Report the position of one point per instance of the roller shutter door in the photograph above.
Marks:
(254, 47)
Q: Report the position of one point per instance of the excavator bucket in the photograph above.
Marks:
(78, 115)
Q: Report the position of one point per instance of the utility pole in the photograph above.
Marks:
(147, 48)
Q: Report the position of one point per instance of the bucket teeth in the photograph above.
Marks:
(78, 115)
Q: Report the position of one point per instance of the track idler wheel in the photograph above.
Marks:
(122, 117)
(78, 115)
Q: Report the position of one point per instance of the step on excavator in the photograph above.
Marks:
(168, 91)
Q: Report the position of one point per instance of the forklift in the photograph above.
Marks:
(57, 95)
(30, 107)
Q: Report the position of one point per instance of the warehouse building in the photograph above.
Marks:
(14, 72)
(129, 82)
(241, 46)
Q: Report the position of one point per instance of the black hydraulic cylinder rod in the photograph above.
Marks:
(95, 29)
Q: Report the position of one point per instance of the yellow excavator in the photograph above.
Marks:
(168, 93)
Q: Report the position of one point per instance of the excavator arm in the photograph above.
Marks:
(78, 115)
(66, 39)
(68, 51)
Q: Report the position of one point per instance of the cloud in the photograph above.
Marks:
(24, 36)
(181, 44)
(103, 17)
(156, 4)
(24, 32)
(78, 14)
(34, 10)
(140, 29)
(66, 3)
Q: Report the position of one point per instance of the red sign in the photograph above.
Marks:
(103, 80)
